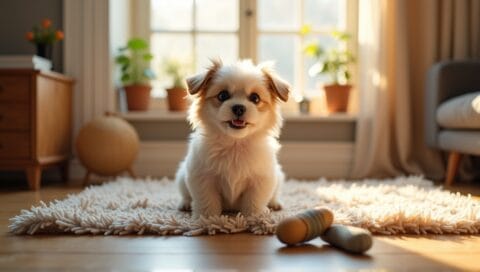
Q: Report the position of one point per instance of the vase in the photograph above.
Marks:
(44, 50)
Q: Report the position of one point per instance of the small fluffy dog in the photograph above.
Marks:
(231, 164)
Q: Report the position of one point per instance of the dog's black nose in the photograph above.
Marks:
(238, 110)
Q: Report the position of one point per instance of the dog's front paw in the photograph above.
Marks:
(275, 205)
(185, 206)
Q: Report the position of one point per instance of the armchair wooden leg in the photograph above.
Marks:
(452, 166)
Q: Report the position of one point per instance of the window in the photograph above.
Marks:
(278, 36)
(197, 30)
(193, 31)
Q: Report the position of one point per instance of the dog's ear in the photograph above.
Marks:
(200, 82)
(279, 86)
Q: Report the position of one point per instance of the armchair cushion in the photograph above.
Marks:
(463, 141)
(461, 112)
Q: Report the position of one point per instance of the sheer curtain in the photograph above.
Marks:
(398, 41)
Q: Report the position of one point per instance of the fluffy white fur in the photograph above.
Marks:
(231, 164)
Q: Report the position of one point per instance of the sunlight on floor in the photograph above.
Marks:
(452, 250)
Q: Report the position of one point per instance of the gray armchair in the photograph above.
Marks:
(452, 111)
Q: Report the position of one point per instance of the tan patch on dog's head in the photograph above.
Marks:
(200, 82)
(278, 86)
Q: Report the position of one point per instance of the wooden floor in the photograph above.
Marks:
(239, 252)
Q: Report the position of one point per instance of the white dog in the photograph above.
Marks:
(231, 163)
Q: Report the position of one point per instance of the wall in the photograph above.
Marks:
(17, 17)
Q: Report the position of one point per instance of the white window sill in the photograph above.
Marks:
(164, 115)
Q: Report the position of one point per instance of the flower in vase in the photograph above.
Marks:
(44, 33)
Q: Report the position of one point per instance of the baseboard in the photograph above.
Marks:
(299, 159)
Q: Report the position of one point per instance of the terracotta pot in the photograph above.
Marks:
(138, 97)
(177, 99)
(337, 97)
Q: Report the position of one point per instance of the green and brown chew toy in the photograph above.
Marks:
(318, 223)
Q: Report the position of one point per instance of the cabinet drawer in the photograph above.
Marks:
(14, 116)
(14, 88)
(14, 145)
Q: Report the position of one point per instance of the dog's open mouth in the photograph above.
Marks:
(237, 123)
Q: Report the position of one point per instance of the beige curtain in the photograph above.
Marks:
(398, 41)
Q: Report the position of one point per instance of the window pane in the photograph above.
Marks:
(217, 15)
(171, 14)
(278, 14)
(211, 46)
(325, 14)
(281, 50)
(163, 47)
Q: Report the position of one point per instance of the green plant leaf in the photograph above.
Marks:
(347, 75)
(137, 44)
(133, 59)
(147, 57)
(122, 59)
(125, 78)
(176, 69)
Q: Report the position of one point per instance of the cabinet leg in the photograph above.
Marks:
(34, 175)
(65, 171)
(131, 173)
(86, 179)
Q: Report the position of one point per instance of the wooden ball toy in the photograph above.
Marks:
(351, 239)
(304, 226)
(107, 146)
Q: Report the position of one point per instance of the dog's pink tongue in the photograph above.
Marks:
(238, 122)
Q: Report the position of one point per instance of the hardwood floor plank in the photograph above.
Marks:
(221, 244)
(327, 259)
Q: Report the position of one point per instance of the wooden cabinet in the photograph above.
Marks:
(35, 122)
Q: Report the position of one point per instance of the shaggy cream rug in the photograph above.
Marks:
(410, 205)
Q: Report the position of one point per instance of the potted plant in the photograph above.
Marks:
(134, 61)
(333, 62)
(176, 69)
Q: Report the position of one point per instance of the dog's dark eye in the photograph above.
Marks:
(255, 98)
(223, 95)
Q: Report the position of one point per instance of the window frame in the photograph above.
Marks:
(248, 34)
